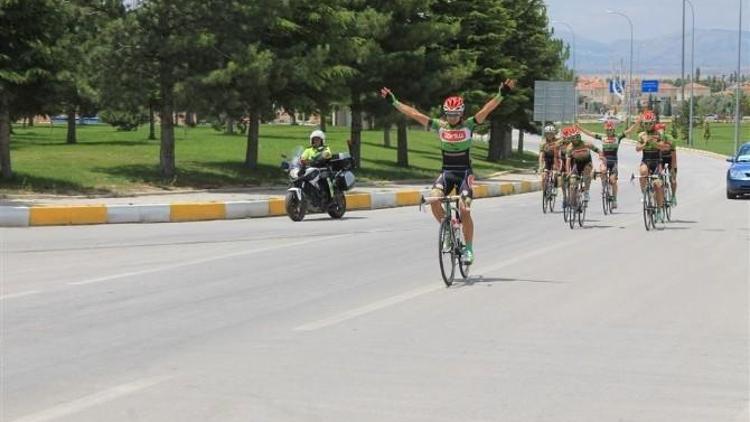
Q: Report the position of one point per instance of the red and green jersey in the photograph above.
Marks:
(455, 142)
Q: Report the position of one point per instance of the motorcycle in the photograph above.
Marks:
(318, 188)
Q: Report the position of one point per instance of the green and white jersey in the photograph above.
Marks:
(455, 142)
(610, 146)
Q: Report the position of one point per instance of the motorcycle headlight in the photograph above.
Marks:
(294, 173)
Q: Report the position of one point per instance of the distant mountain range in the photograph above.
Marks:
(715, 54)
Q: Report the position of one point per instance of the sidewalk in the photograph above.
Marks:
(220, 204)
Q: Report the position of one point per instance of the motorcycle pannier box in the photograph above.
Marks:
(341, 161)
(345, 180)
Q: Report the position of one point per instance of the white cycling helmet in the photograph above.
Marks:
(318, 134)
(550, 129)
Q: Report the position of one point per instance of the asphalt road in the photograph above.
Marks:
(270, 320)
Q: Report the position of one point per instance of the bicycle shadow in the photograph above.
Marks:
(596, 226)
(480, 279)
(321, 217)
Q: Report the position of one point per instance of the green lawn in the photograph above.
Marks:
(106, 161)
(721, 142)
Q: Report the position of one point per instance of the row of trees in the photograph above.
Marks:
(717, 83)
(233, 59)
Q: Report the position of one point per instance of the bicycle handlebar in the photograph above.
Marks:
(431, 199)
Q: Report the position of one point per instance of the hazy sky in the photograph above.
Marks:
(650, 17)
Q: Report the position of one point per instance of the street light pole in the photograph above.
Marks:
(575, 73)
(630, 77)
(737, 114)
(683, 52)
(692, 72)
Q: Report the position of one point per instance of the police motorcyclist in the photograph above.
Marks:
(316, 155)
(318, 151)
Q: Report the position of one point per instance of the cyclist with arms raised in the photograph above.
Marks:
(610, 146)
(578, 159)
(455, 135)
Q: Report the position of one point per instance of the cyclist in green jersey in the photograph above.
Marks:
(579, 162)
(610, 147)
(648, 143)
(562, 160)
(548, 151)
(455, 134)
(668, 157)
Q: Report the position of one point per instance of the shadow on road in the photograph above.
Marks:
(596, 226)
(474, 279)
(324, 218)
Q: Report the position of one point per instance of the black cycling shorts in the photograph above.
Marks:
(461, 180)
(612, 166)
(653, 165)
(580, 165)
(549, 162)
(666, 160)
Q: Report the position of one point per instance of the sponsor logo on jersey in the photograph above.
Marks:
(453, 135)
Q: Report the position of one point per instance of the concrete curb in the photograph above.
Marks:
(690, 150)
(61, 215)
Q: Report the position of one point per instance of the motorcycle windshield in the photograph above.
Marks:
(296, 156)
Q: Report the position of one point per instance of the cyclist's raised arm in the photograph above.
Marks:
(586, 131)
(631, 128)
(492, 104)
(598, 151)
(640, 143)
(409, 111)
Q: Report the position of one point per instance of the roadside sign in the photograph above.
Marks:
(554, 101)
(650, 86)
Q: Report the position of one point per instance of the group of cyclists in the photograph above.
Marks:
(565, 155)
(568, 156)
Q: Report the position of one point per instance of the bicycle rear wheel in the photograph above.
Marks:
(447, 255)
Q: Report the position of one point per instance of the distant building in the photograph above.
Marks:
(698, 90)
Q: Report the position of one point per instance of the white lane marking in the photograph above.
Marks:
(528, 255)
(353, 313)
(85, 402)
(199, 261)
(376, 306)
(19, 294)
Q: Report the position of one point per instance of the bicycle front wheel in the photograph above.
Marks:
(573, 207)
(447, 252)
(668, 201)
(605, 196)
(582, 214)
(552, 195)
(648, 217)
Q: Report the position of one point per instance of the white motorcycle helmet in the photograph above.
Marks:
(318, 134)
